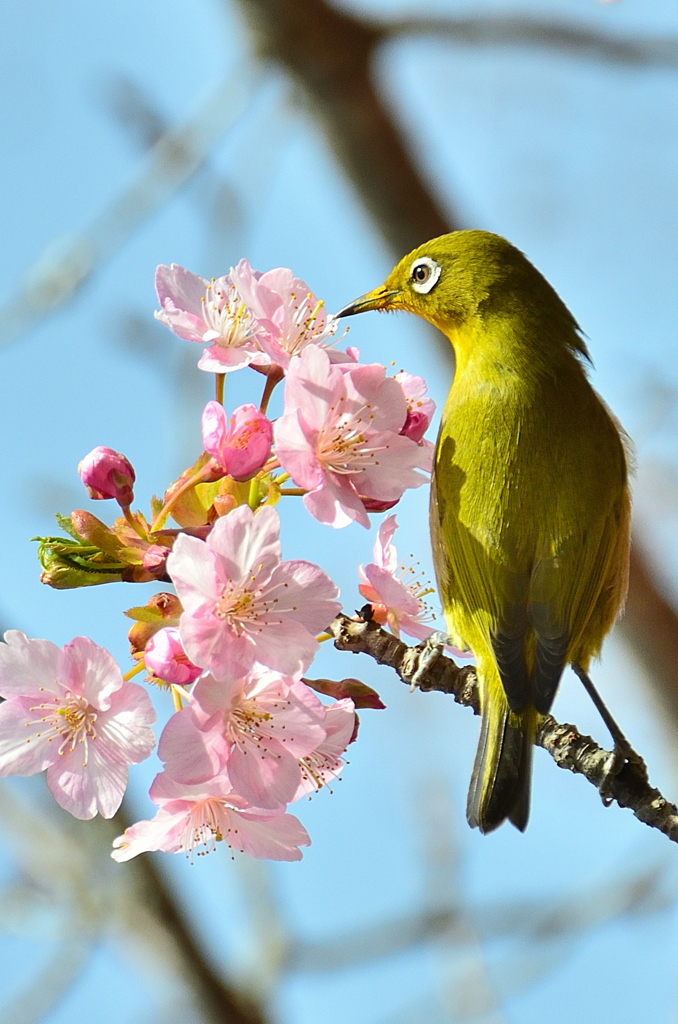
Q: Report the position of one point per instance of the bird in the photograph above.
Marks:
(530, 506)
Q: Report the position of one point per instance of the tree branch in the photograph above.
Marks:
(570, 39)
(329, 54)
(629, 786)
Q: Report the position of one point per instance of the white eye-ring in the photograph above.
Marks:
(424, 274)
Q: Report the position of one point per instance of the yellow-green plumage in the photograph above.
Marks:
(530, 507)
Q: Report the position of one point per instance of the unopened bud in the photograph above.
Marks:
(165, 657)
(107, 474)
(242, 445)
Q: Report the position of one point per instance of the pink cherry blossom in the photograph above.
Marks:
(213, 312)
(419, 408)
(288, 314)
(70, 712)
(242, 605)
(242, 445)
(396, 595)
(254, 730)
(195, 818)
(340, 438)
(325, 762)
(108, 474)
(165, 657)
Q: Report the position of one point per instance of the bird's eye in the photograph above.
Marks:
(424, 274)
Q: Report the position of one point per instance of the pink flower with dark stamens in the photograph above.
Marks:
(340, 437)
(193, 819)
(70, 712)
(240, 445)
(254, 730)
(242, 604)
(212, 312)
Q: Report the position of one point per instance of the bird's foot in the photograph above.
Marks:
(419, 659)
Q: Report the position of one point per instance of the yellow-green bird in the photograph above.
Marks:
(530, 507)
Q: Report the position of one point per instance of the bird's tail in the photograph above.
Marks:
(500, 784)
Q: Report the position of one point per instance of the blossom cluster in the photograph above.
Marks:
(248, 736)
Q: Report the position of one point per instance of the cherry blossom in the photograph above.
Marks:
(242, 445)
(108, 474)
(69, 711)
(254, 730)
(213, 312)
(288, 314)
(340, 438)
(242, 604)
(325, 762)
(195, 818)
(396, 594)
(166, 658)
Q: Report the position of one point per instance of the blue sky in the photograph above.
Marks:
(576, 162)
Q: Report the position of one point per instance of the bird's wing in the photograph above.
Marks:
(484, 600)
(565, 591)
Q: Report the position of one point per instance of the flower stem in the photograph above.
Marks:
(219, 387)
(253, 496)
(274, 375)
(203, 474)
(139, 667)
(297, 491)
(138, 529)
(176, 699)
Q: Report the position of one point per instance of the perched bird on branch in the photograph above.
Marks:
(530, 507)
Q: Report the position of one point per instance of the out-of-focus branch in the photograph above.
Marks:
(650, 628)
(329, 54)
(530, 920)
(220, 1003)
(175, 156)
(67, 864)
(569, 39)
(629, 787)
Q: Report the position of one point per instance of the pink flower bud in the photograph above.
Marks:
(107, 474)
(154, 558)
(165, 657)
(416, 425)
(419, 409)
(241, 445)
(374, 505)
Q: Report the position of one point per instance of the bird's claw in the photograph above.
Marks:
(419, 659)
(616, 760)
(622, 754)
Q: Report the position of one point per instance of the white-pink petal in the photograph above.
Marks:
(91, 671)
(28, 666)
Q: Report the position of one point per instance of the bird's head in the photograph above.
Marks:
(468, 276)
